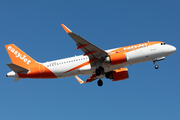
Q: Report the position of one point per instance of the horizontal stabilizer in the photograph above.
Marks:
(17, 68)
(17, 79)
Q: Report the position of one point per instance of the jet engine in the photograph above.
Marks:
(119, 74)
(116, 58)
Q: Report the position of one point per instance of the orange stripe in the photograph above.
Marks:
(82, 65)
(37, 72)
(135, 47)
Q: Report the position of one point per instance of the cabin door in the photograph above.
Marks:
(41, 68)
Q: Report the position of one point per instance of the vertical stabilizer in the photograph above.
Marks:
(18, 57)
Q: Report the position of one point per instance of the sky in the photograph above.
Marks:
(34, 26)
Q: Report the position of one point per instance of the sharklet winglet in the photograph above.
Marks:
(79, 80)
(66, 29)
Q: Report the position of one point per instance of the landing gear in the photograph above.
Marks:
(157, 59)
(100, 82)
(156, 66)
(99, 71)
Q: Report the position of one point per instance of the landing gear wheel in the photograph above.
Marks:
(156, 66)
(100, 82)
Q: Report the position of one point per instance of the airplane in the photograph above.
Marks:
(96, 62)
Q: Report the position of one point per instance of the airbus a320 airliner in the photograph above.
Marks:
(95, 62)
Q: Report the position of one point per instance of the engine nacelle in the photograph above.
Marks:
(116, 58)
(119, 74)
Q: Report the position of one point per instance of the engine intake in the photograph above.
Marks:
(119, 74)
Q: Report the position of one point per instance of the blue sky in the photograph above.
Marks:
(34, 26)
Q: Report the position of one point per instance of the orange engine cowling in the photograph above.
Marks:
(116, 58)
(119, 74)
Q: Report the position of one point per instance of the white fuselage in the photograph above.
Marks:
(73, 65)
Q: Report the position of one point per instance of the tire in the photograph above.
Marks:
(156, 66)
(100, 82)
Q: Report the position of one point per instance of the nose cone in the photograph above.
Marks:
(172, 49)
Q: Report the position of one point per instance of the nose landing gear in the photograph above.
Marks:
(156, 66)
(157, 59)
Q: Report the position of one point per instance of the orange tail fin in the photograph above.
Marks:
(19, 57)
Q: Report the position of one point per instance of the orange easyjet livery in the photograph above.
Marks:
(95, 62)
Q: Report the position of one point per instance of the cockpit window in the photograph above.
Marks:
(163, 43)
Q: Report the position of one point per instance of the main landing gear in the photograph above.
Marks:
(100, 82)
(99, 71)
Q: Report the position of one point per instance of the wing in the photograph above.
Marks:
(91, 78)
(88, 48)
